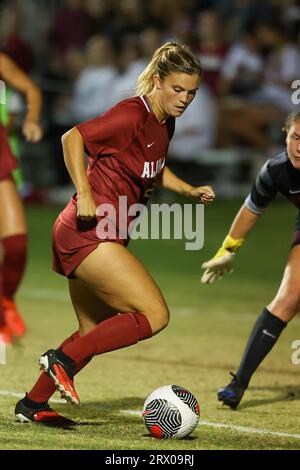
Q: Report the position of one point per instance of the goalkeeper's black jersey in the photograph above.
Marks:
(277, 175)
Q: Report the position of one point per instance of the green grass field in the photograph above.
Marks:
(204, 341)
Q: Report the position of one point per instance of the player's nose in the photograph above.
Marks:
(184, 99)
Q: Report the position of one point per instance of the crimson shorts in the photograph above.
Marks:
(7, 160)
(70, 247)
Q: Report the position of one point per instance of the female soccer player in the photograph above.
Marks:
(13, 230)
(279, 174)
(116, 301)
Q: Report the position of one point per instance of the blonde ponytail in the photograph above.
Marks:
(169, 58)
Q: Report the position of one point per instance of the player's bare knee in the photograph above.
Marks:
(291, 309)
(86, 327)
(287, 306)
(164, 318)
(158, 318)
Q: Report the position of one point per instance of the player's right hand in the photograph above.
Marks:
(86, 207)
(216, 267)
(32, 131)
(221, 263)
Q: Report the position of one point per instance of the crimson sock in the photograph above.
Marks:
(15, 251)
(111, 334)
(107, 336)
(44, 386)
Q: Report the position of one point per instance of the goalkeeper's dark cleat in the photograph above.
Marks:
(61, 370)
(39, 413)
(232, 394)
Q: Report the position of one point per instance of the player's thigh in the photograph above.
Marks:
(287, 300)
(90, 310)
(118, 278)
(12, 216)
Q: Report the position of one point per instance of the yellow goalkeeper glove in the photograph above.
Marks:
(221, 263)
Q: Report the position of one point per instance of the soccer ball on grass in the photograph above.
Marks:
(171, 411)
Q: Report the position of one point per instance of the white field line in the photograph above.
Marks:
(57, 295)
(233, 427)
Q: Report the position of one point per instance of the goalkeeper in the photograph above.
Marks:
(279, 174)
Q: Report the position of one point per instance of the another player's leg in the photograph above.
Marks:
(34, 406)
(266, 330)
(119, 280)
(5, 335)
(13, 233)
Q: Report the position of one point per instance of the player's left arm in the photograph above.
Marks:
(168, 180)
(15, 77)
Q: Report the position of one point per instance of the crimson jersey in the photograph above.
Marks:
(126, 147)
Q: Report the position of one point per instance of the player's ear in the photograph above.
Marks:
(286, 138)
(157, 81)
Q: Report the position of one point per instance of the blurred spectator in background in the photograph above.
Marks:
(10, 40)
(211, 48)
(149, 40)
(166, 12)
(242, 69)
(92, 94)
(70, 30)
(36, 17)
(91, 74)
(130, 18)
(194, 134)
(291, 18)
(80, 47)
(197, 130)
(130, 66)
(237, 14)
(100, 15)
(135, 54)
(246, 110)
(282, 65)
(182, 30)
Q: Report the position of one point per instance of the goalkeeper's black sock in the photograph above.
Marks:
(263, 337)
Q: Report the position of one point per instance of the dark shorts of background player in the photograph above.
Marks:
(8, 161)
(70, 247)
(296, 238)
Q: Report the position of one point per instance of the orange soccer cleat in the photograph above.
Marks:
(61, 373)
(40, 413)
(13, 319)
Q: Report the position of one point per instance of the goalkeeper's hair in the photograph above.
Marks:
(169, 58)
(290, 120)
